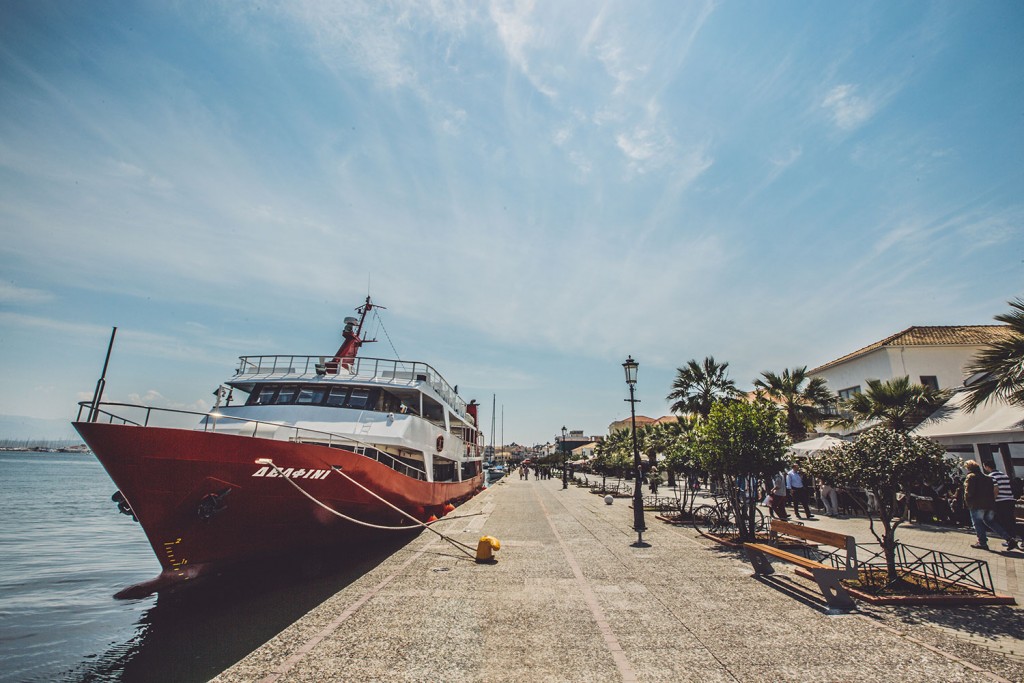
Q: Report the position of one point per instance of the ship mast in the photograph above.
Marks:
(353, 336)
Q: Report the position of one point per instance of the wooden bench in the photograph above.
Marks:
(827, 576)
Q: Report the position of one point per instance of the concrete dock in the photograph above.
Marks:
(570, 600)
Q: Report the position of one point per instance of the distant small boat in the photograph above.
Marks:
(323, 451)
(495, 472)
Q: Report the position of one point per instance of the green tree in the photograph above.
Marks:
(885, 462)
(614, 453)
(1000, 364)
(805, 400)
(680, 459)
(743, 444)
(654, 439)
(896, 404)
(698, 386)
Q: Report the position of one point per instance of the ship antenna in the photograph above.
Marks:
(387, 336)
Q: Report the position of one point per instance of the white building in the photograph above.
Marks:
(939, 356)
(935, 356)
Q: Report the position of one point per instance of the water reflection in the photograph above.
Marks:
(193, 635)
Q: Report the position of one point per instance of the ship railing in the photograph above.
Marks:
(377, 370)
(209, 423)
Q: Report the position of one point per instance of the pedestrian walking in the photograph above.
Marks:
(980, 499)
(829, 498)
(798, 492)
(777, 496)
(1005, 503)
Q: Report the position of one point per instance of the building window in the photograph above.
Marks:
(930, 381)
(846, 394)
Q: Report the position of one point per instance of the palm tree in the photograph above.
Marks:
(1000, 365)
(897, 404)
(805, 400)
(698, 386)
(615, 452)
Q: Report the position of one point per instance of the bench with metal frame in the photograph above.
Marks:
(827, 576)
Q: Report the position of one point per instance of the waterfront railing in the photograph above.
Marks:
(257, 429)
(374, 370)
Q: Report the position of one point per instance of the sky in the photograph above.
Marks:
(533, 190)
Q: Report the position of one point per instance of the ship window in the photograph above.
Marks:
(287, 394)
(264, 396)
(432, 410)
(390, 402)
(337, 396)
(311, 395)
(358, 399)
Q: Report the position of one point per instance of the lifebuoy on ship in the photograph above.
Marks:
(440, 443)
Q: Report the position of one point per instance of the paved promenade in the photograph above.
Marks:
(570, 600)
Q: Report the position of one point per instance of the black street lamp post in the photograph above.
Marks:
(630, 366)
(565, 462)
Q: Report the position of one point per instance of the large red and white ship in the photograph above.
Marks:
(320, 451)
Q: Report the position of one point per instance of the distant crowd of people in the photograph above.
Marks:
(539, 471)
(985, 499)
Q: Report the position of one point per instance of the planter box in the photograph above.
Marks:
(975, 597)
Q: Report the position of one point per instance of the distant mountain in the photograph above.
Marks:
(21, 428)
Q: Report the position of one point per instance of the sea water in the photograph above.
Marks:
(65, 550)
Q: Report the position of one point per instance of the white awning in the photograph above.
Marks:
(994, 420)
(812, 446)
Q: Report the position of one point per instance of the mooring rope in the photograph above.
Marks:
(462, 546)
(334, 468)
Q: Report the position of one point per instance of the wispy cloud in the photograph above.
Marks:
(23, 296)
(193, 347)
(848, 109)
(648, 145)
(549, 179)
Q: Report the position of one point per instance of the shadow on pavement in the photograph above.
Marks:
(996, 621)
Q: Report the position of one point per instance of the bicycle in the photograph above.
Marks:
(718, 519)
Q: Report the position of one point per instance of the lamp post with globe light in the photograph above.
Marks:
(565, 462)
(630, 366)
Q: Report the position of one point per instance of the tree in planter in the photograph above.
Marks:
(665, 436)
(885, 462)
(743, 444)
(613, 454)
(680, 459)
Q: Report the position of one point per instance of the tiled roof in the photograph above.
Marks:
(944, 335)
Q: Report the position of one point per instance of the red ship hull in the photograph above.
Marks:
(166, 474)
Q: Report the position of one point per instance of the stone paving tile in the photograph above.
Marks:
(570, 600)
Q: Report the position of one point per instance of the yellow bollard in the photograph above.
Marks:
(485, 549)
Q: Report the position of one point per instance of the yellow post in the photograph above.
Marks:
(485, 549)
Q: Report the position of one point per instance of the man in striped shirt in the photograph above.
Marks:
(1005, 503)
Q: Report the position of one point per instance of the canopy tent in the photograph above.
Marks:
(814, 446)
